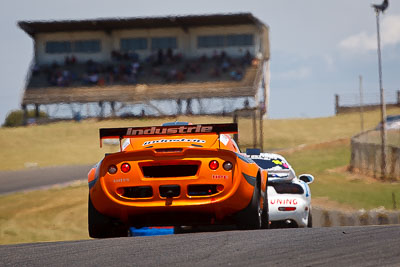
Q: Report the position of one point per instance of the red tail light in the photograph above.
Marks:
(287, 208)
(112, 169)
(120, 191)
(125, 167)
(220, 188)
(213, 165)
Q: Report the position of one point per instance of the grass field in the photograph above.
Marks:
(44, 215)
(67, 143)
(61, 213)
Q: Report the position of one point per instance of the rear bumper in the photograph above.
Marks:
(174, 211)
(181, 210)
(300, 215)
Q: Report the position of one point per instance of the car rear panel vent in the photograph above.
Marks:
(202, 189)
(138, 192)
(169, 171)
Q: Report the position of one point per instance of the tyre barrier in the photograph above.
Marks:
(329, 218)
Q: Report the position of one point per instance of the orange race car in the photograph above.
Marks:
(173, 175)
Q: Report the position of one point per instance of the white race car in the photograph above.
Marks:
(289, 196)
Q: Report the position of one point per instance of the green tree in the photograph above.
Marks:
(16, 117)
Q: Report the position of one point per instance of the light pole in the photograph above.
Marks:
(378, 10)
(361, 105)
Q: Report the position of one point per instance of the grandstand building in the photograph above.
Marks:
(197, 64)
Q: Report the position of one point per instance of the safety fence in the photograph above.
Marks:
(345, 103)
(366, 155)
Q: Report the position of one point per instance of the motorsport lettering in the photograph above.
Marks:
(173, 130)
(173, 140)
(284, 201)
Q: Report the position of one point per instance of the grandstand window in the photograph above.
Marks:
(210, 41)
(57, 47)
(87, 46)
(127, 44)
(239, 39)
(163, 43)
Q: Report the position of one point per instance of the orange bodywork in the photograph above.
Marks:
(171, 181)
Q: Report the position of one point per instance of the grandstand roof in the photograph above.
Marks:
(33, 27)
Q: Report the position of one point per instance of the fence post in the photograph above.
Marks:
(352, 162)
(398, 97)
(392, 174)
(336, 104)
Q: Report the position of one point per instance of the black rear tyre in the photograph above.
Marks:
(309, 221)
(251, 217)
(265, 211)
(101, 226)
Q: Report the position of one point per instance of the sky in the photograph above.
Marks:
(319, 48)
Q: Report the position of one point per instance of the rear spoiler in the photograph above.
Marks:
(131, 132)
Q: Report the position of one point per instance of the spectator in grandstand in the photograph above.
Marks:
(223, 54)
(178, 57)
(93, 78)
(236, 75)
(35, 69)
(70, 60)
(180, 76)
(133, 56)
(225, 65)
(66, 61)
(66, 78)
(215, 72)
(171, 75)
(216, 55)
(247, 58)
(203, 58)
(170, 56)
(101, 81)
(160, 57)
(116, 55)
(193, 66)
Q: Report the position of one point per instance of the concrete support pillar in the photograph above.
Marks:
(25, 114)
(112, 104)
(179, 106)
(37, 110)
(235, 120)
(254, 129)
(101, 115)
(189, 110)
(261, 129)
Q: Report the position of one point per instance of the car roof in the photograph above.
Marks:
(174, 123)
(268, 156)
(393, 117)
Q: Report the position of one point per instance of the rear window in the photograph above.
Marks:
(393, 118)
(271, 164)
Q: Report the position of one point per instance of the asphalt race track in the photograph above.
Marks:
(36, 178)
(336, 246)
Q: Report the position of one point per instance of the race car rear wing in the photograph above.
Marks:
(131, 132)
